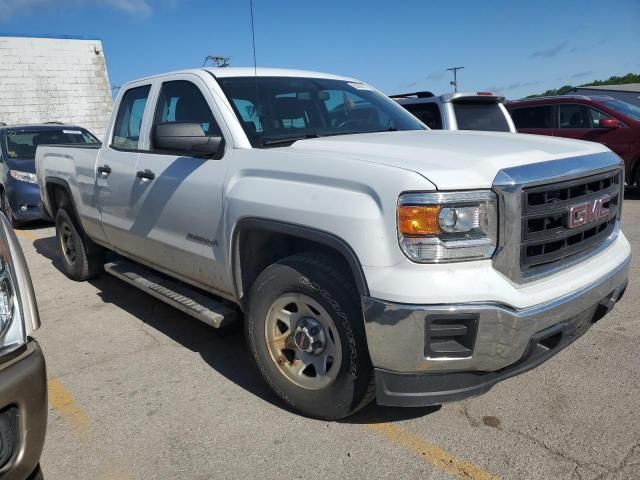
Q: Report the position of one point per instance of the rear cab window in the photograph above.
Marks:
(126, 131)
(479, 115)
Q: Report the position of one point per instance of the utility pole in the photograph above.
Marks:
(455, 77)
(220, 61)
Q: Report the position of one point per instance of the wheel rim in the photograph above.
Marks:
(303, 341)
(67, 244)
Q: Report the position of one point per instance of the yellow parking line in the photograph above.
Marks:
(429, 452)
(63, 402)
(26, 234)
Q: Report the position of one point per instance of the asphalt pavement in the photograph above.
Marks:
(139, 390)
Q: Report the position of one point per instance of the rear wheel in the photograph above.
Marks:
(306, 332)
(77, 263)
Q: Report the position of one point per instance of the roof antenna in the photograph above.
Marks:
(258, 108)
(253, 39)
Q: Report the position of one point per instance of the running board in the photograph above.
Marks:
(180, 296)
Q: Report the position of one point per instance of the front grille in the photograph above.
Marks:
(547, 235)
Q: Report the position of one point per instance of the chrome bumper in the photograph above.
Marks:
(398, 335)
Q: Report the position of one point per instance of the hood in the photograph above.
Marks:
(451, 160)
(24, 165)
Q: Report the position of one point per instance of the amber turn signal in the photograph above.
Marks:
(418, 220)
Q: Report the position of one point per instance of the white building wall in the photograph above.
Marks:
(54, 79)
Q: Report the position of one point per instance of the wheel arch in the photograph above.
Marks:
(248, 259)
(59, 195)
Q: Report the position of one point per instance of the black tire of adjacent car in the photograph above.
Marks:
(6, 209)
(82, 266)
(320, 277)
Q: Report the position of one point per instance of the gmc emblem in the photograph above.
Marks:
(589, 211)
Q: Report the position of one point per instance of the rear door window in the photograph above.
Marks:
(427, 113)
(126, 131)
(533, 117)
(480, 116)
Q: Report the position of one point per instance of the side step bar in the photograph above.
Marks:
(200, 306)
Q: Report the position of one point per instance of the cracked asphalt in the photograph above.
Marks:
(140, 390)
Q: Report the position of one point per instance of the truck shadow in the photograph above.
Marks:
(223, 350)
(631, 194)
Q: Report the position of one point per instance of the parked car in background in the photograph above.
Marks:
(595, 118)
(23, 379)
(458, 111)
(370, 256)
(19, 195)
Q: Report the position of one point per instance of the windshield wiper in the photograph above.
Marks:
(277, 141)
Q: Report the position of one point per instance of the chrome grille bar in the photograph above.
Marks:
(534, 203)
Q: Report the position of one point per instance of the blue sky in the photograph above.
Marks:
(512, 47)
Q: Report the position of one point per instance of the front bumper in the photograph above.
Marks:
(24, 199)
(23, 396)
(418, 364)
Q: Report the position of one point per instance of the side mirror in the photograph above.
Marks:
(609, 123)
(187, 139)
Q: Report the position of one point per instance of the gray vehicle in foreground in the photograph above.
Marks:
(23, 378)
(367, 255)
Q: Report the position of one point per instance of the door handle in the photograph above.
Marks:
(145, 174)
(106, 169)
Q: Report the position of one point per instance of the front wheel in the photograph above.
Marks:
(6, 209)
(306, 332)
(77, 263)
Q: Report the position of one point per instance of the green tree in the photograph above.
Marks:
(614, 80)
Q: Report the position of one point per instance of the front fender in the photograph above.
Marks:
(353, 202)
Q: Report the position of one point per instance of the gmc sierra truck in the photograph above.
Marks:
(367, 255)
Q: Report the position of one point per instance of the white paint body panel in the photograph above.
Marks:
(346, 185)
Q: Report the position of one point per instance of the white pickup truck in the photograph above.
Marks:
(366, 255)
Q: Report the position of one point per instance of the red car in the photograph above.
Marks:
(602, 119)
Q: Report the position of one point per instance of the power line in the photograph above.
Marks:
(455, 77)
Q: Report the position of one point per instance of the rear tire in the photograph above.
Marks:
(77, 263)
(305, 329)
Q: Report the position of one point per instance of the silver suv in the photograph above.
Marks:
(458, 111)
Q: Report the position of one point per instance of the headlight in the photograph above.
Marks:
(24, 176)
(18, 311)
(447, 226)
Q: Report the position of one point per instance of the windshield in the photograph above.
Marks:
(276, 111)
(626, 109)
(480, 116)
(21, 143)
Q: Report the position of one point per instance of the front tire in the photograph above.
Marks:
(305, 330)
(77, 263)
(6, 209)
